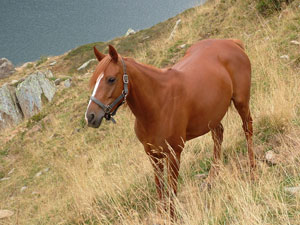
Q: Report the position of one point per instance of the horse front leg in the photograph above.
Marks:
(158, 166)
(173, 164)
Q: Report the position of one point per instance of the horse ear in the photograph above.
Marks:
(113, 53)
(98, 54)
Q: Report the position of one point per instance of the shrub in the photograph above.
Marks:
(29, 66)
(267, 7)
(41, 60)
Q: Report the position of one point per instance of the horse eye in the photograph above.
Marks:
(111, 80)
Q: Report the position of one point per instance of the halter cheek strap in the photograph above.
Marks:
(108, 108)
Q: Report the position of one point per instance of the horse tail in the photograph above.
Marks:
(239, 43)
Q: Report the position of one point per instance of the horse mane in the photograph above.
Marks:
(99, 69)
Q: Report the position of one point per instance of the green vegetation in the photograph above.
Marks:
(41, 60)
(267, 7)
(29, 66)
(35, 119)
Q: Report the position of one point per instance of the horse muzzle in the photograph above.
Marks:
(93, 120)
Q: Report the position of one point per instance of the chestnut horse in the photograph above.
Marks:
(176, 104)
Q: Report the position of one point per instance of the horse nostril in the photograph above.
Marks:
(90, 117)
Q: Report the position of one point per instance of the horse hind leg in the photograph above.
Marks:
(217, 136)
(242, 107)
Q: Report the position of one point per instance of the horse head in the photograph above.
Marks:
(109, 86)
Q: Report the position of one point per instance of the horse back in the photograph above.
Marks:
(212, 52)
(213, 71)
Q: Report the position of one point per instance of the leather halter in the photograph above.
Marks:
(108, 108)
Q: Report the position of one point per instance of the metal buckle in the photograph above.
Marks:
(124, 96)
(125, 78)
(108, 109)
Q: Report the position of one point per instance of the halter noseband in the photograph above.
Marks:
(108, 108)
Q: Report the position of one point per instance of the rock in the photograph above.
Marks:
(41, 172)
(4, 178)
(84, 65)
(292, 190)
(10, 113)
(174, 29)
(6, 68)
(285, 57)
(129, 32)
(182, 46)
(146, 37)
(271, 158)
(47, 86)
(201, 176)
(30, 91)
(23, 188)
(52, 63)
(21, 80)
(38, 174)
(11, 171)
(295, 42)
(14, 82)
(68, 83)
(57, 81)
(48, 73)
(5, 213)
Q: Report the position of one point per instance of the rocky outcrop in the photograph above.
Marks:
(27, 99)
(84, 65)
(48, 73)
(6, 68)
(130, 31)
(10, 114)
(31, 92)
(68, 83)
(52, 63)
(292, 190)
(5, 213)
(271, 158)
(174, 29)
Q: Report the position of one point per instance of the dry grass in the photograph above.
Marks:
(103, 176)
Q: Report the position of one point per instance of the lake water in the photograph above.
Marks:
(30, 29)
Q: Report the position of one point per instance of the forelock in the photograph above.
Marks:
(100, 68)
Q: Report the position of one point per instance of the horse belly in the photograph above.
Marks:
(205, 121)
(208, 107)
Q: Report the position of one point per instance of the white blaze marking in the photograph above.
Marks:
(97, 84)
(94, 93)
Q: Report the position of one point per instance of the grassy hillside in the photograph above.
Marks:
(103, 176)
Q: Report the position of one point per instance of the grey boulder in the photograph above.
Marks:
(10, 114)
(68, 83)
(31, 91)
(6, 68)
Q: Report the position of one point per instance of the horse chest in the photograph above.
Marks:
(158, 132)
